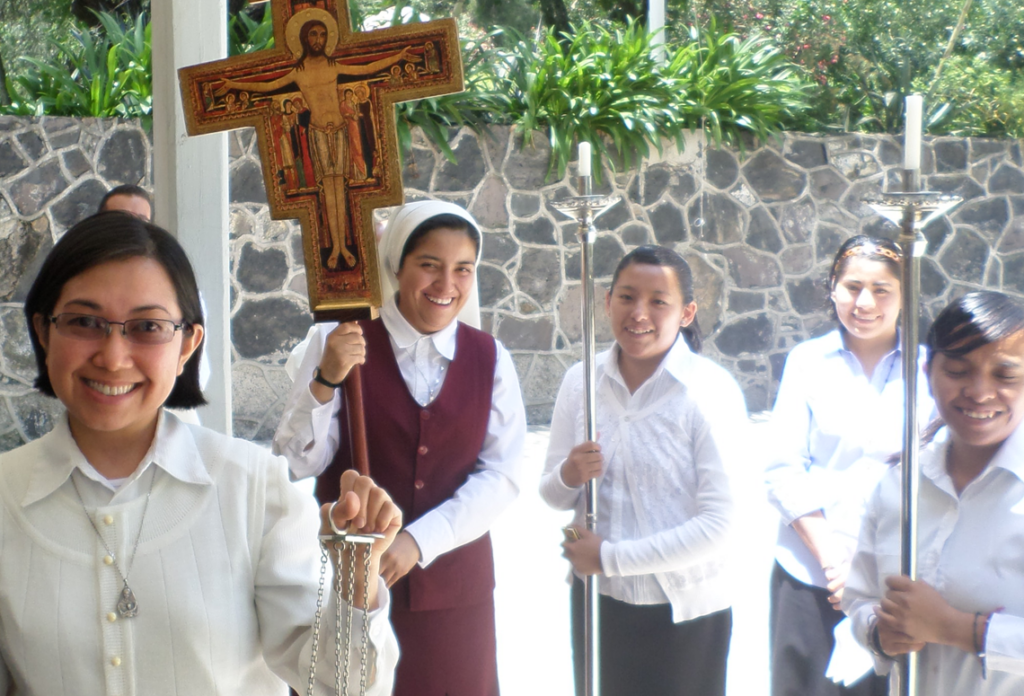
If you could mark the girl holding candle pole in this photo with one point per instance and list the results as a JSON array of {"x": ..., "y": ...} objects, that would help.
[
  {"x": 965, "y": 613},
  {"x": 665, "y": 416},
  {"x": 837, "y": 418}
]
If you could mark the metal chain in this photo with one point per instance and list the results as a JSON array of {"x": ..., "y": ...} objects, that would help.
[
  {"x": 138, "y": 536},
  {"x": 365, "y": 647},
  {"x": 341, "y": 687},
  {"x": 316, "y": 620},
  {"x": 349, "y": 548},
  {"x": 343, "y": 644}
]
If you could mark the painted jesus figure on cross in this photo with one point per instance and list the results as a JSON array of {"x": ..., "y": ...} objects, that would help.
[{"x": 313, "y": 35}]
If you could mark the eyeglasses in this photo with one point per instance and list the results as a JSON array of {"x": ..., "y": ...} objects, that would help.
[{"x": 86, "y": 327}]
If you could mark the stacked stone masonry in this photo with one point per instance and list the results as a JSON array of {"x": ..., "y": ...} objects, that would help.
[{"x": 758, "y": 230}]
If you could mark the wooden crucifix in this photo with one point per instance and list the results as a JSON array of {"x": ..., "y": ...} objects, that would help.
[{"x": 322, "y": 104}]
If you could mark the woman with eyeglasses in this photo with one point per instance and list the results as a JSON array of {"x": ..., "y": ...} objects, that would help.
[{"x": 141, "y": 555}]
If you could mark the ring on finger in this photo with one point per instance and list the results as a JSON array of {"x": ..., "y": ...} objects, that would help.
[{"x": 330, "y": 518}]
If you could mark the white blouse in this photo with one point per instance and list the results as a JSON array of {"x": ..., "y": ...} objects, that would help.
[
  {"x": 225, "y": 574},
  {"x": 308, "y": 435},
  {"x": 664, "y": 502},
  {"x": 832, "y": 430},
  {"x": 971, "y": 549}
]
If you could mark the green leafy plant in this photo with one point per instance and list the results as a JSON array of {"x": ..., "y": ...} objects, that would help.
[
  {"x": 604, "y": 86},
  {"x": 597, "y": 85},
  {"x": 247, "y": 35},
  {"x": 973, "y": 98},
  {"x": 866, "y": 55},
  {"x": 475, "y": 107},
  {"x": 738, "y": 85},
  {"x": 96, "y": 73}
]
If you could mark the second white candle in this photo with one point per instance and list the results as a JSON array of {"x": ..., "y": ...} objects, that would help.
[{"x": 584, "y": 156}]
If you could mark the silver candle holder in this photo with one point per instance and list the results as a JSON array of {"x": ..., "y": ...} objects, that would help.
[
  {"x": 585, "y": 209},
  {"x": 911, "y": 210}
]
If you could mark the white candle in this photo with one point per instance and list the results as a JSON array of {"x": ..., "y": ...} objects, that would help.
[
  {"x": 584, "y": 157},
  {"x": 912, "y": 137}
]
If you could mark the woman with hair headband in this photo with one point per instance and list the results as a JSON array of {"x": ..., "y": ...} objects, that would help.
[
  {"x": 445, "y": 425},
  {"x": 965, "y": 613},
  {"x": 665, "y": 417},
  {"x": 837, "y": 417},
  {"x": 142, "y": 555}
]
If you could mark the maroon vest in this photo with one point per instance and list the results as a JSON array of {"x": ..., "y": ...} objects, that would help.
[{"x": 421, "y": 456}]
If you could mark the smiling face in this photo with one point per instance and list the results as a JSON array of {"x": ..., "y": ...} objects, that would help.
[
  {"x": 112, "y": 387},
  {"x": 646, "y": 309},
  {"x": 867, "y": 300},
  {"x": 436, "y": 278},
  {"x": 980, "y": 396}
]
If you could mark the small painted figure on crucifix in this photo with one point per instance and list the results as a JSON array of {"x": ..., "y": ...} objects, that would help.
[{"x": 312, "y": 36}]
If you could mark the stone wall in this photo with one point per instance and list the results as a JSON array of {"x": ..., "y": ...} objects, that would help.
[{"x": 758, "y": 230}]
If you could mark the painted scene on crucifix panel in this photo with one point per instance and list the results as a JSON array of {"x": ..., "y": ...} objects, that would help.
[{"x": 322, "y": 109}]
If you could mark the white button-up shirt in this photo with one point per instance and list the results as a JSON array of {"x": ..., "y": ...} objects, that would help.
[
  {"x": 832, "y": 430},
  {"x": 664, "y": 502},
  {"x": 971, "y": 549},
  {"x": 225, "y": 574},
  {"x": 309, "y": 435}
]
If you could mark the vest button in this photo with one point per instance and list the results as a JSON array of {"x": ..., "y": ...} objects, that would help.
[
  {"x": 425, "y": 414},
  {"x": 423, "y": 449},
  {"x": 419, "y": 485}
]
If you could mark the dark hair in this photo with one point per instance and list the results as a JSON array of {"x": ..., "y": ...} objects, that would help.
[
  {"x": 861, "y": 246},
  {"x": 652, "y": 255},
  {"x": 973, "y": 321},
  {"x": 445, "y": 220},
  {"x": 117, "y": 236},
  {"x": 125, "y": 190}
]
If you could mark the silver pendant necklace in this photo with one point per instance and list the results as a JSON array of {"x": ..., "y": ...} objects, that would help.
[
  {"x": 432, "y": 389},
  {"x": 127, "y": 606}
]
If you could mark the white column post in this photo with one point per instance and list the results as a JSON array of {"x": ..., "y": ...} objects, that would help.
[
  {"x": 656, "y": 28},
  {"x": 190, "y": 177}
]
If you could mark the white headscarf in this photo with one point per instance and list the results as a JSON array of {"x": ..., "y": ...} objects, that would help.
[{"x": 401, "y": 225}]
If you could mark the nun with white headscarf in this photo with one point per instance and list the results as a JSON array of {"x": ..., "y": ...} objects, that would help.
[{"x": 445, "y": 426}]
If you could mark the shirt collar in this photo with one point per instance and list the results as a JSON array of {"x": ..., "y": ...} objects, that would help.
[
  {"x": 678, "y": 363},
  {"x": 833, "y": 343},
  {"x": 405, "y": 336},
  {"x": 174, "y": 450},
  {"x": 1010, "y": 457}
]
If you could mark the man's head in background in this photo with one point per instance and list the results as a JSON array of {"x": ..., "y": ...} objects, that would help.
[{"x": 129, "y": 198}]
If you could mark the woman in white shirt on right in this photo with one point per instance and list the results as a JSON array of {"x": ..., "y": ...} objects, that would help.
[
  {"x": 837, "y": 418},
  {"x": 664, "y": 418},
  {"x": 965, "y": 613}
]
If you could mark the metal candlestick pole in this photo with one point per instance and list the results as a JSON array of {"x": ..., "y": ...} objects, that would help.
[
  {"x": 911, "y": 210},
  {"x": 585, "y": 210}
]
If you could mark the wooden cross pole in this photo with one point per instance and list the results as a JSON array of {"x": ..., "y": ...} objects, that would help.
[{"x": 322, "y": 104}]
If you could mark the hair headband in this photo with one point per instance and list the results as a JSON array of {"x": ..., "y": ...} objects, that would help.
[{"x": 871, "y": 250}]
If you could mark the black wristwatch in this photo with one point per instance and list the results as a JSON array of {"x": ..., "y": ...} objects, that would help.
[{"x": 319, "y": 378}]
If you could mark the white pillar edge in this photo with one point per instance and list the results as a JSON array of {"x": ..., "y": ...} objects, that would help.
[
  {"x": 656, "y": 28},
  {"x": 190, "y": 179}
]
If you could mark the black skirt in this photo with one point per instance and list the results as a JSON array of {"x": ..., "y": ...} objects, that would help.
[{"x": 643, "y": 652}]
